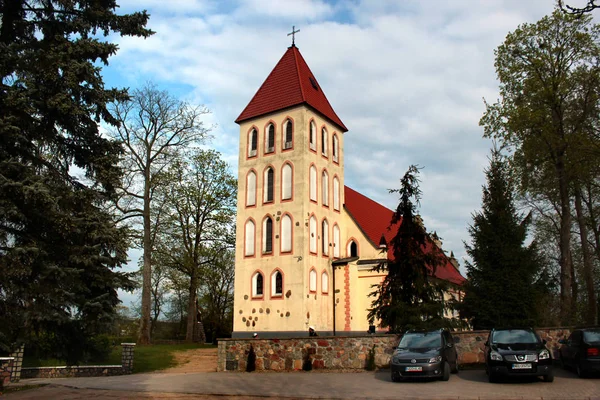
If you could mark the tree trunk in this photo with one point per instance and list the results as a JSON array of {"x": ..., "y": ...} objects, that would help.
[
  {"x": 588, "y": 269},
  {"x": 191, "y": 317},
  {"x": 566, "y": 265},
  {"x": 147, "y": 268}
]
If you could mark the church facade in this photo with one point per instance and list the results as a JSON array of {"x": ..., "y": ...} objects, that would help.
[{"x": 305, "y": 243}]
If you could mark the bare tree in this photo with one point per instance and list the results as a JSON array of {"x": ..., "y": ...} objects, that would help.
[
  {"x": 153, "y": 127},
  {"x": 589, "y": 7}
]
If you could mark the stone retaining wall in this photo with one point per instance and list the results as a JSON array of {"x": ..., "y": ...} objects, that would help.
[
  {"x": 336, "y": 352},
  {"x": 71, "y": 372},
  {"x": 6, "y": 367}
]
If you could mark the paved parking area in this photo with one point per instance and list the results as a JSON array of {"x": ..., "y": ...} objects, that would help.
[{"x": 314, "y": 385}]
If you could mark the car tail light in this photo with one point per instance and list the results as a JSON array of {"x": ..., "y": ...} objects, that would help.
[{"x": 593, "y": 352}]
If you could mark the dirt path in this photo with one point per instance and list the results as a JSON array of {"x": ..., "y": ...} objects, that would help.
[{"x": 196, "y": 360}]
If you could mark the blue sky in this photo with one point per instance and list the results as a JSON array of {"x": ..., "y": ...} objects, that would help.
[{"x": 408, "y": 79}]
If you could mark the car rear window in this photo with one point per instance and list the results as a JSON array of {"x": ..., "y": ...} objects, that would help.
[
  {"x": 421, "y": 340},
  {"x": 514, "y": 336},
  {"x": 591, "y": 336}
]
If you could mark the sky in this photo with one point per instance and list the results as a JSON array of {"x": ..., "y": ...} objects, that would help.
[{"x": 408, "y": 79}]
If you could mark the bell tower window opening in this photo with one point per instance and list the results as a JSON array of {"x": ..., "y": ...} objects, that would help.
[
  {"x": 286, "y": 234},
  {"x": 324, "y": 140},
  {"x": 312, "y": 281},
  {"x": 249, "y": 238},
  {"x": 313, "y": 234},
  {"x": 268, "y": 236},
  {"x": 336, "y": 193},
  {"x": 286, "y": 182},
  {"x": 313, "y": 183},
  {"x": 325, "y": 237},
  {"x": 276, "y": 284},
  {"x": 288, "y": 131},
  {"x": 258, "y": 284},
  {"x": 352, "y": 250},
  {"x": 325, "y": 188},
  {"x": 269, "y": 181},
  {"x": 251, "y": 189},
  {"x": 252, "y": 142},
  {"x": 313, "y": 136},
  {"x": 270, "y": 139},
  {"x": 335, "y": 149},
  {"x": 336, "y": 241}
]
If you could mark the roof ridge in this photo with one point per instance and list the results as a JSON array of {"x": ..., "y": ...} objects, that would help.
[{"x": 296, "y": 52}]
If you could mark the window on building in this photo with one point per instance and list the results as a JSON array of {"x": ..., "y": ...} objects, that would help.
[
  {"x": 324, "y": 282},
  {"x": 313, "y": 183},
  {"x": 325, "y": 188},
  {"x": 352, "y": 249},
  {"x": 252, "y": 142},
  {"x": 336, "y": 193},
  {"x": 270, "y": 139},
  {"x": 335, "y": 149},
  {"x": 287, "y": 182},
  {"x": 286, "y": 234},
  {"x": 269, "y": 180},
  {"x": 336, "y": 241},
  {"x": 312, "y": 280},
  {"x": 288, "y": 134},
  {"x": 249, "y": 238},
  {"x": 325, "y": 237},
  {"x": 313, "y": 234},
  {"x": 313, "y": 136},
  {"x": 251, "y": 189},
  {"x": 258, "y": 281},
  {"x": 277, "y": 283},
  {"x": 324, "y": 140},
  {"x": 267, "y": 236}
]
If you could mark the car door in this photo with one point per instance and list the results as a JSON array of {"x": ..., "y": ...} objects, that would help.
[{"x": 567, "y": 351}]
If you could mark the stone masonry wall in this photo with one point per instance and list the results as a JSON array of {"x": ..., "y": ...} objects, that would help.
[
  {"x": 71, "y": 372},
  {"x": 6, "y": 367},
  {"x": 338, "y": 352}
]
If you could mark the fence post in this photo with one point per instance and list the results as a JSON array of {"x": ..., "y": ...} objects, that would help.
[
  {"x": 15, "y": 375},
  {"x": 6, "y": 367},
  {"x": 127, "y": 357}
]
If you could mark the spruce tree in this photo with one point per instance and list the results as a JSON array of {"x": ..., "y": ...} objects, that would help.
[
  {"x": 502, "y": 286},
  {"x": 409, "y": 297},
  {"x": 59, "y": 247}
]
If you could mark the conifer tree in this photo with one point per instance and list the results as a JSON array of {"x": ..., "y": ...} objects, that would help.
[
  {"x": 408, "y": 297},
  {"x": 502, "y": 286}
]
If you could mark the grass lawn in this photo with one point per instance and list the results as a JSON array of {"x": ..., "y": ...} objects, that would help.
[{"x": 146, "y": 358}]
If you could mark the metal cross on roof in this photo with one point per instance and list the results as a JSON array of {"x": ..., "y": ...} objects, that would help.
[{"x": 293, "y": 33}]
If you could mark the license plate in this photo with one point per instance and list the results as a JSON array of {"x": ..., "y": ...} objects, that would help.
[
  {"x": 522, "y": 366},
  {"x": 414, "y": 369}
]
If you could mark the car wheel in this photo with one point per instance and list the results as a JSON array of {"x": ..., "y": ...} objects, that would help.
[
  {"x": 580, "y": 371},
  {"x": 549, "y": 377},
  {"x": 455, "y": 368},
  {"x": 446, "y": 372},
  {"x": 395, "y": 377}
]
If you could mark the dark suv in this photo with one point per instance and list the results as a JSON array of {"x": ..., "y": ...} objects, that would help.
[
  {"x": 517, "y": 352},
  {"x": 425, "y": 354}
]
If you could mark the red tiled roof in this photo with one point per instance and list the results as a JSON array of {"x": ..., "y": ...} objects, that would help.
[
  {"x": 289, "y": 84},
  {"x": 374, "y": 220}
]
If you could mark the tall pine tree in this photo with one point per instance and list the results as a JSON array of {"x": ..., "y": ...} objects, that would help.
[
  {"x": 59, "y": 247},
  {"x": 409, "y": 297},
  {"x": 502, "y": 286}
]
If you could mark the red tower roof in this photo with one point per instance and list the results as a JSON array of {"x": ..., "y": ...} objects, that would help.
[
  {"x": 374, "y": 220},
  {"x": 289, "y": 84}
]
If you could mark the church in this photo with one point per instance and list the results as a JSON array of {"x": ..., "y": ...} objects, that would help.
[{"x": 306, "y": 244}]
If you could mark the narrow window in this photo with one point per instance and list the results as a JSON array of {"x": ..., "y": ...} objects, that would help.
[
  {"x": 267, "y": 236},
  {"x": 325, "y": 237},
  {"x": 352, "y": 249},
  {"x": 336, "y": 241},
  {"x": 251, "y": 189},
  {"x": 289, "y": 134},
  {"x": 286, "y": 234},
  {"x": 270, "y": 139},
  {"x": 313, "y": 183},
  {"x": 276, "y": 284},
  {"x": 335, "y": 148},
  {"x": 324, "y": 282},
  {"x": 324, "y": 142},
  {"x": 257, "y": 285},
  {"x": 287, "y": 182},
  {"x": 325, "y": 188},
  {"x": 313, "y": 234},
  {"x": 313, "y": 136},
  {"x": 252, "y": 143},
  {"x": 269, "y": 185},
  {"x": 312, "y": 279},
  {"x": 336, "y": 193},
  {"x": 249, "y": 238}
]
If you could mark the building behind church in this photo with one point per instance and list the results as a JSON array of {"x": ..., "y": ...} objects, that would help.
[{"x": 306, "y": 243}]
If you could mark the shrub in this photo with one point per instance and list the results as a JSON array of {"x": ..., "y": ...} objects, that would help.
[
  {"x": 251, "y": 364},
  {"x": 370, "y": 365}
]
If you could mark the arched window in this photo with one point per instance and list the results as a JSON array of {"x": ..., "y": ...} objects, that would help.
[
  {"x": 312, "y": 280},
  {"x": 249, "y": 238},
  {"x": 336, "y": 241},
  {"x": 288, "y": 134},
  {"x": 251, "y": 189},
  {"x": 325, "y": 188},
  {"x": 324, "y": 140},
  {"x": 270, "y": 138},
  {"x": 313, "y": 183},
  {"x": 267, "y": 236},
  {"x": 286, "y": 234},
  {"x": 335, "y": 149},
  {"x": 276, "y": 283},
  {"x": 313, "y": 136},
  {"x": 313, "y": 234},
  {"x": 252, "y": 142},
  {"x": 258, "y": 284},
  {"x": 268, "y": 186},
  {"x": 324, "y": 282},
  {"x": 287, "y": 182},
  {"x": 352, "y": 249},
  {"x": 325, "y": 237},
  {"x": 336, "y": 193}
]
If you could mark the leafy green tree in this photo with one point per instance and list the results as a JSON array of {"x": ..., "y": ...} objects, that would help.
[
  {"x": 501, "y": 289},
  {"x": 59, "y": 247},
  {"x": 408, "y": 297}
]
